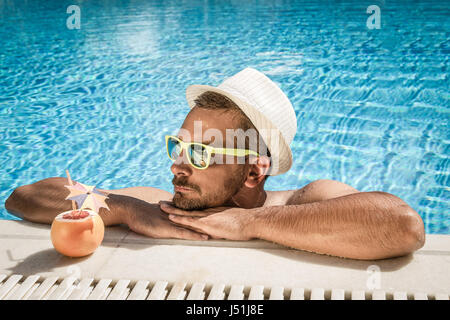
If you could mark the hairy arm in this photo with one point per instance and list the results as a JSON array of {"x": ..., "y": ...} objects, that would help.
[
  {"x": 329, "y": 217},
  {"x": 43, "y": 200},
  {"x": 136, "y": 207},
  {"x": 326, "y": 216}
]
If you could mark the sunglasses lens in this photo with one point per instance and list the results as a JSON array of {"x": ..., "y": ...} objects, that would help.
[
  {"x": 199, "y": 155},
  {"x": 174, "y": 148}
]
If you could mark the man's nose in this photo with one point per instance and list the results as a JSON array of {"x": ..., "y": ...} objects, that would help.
[{"x": 181, "y": 166}]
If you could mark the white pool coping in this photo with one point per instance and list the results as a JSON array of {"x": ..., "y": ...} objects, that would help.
[{"x": 26, "y": 249}]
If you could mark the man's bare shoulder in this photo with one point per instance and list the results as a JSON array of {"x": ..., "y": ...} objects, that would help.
[
  {"x": 148, "y": 194},
  {"x": 278, "y": 198},
  {"x": 318, "y": 190}
]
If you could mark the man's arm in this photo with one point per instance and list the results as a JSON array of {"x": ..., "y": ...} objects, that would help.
[
  {"x": 326, "y": 216},
  {"x": 42, "y": 201},
  {"x": 343, "y": 222}
]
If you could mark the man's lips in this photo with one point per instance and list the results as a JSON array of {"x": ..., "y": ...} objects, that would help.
[{"x": 182, "y": 189}]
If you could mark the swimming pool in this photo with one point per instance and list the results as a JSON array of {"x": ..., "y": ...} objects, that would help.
[{"x": 372, "y": 104}]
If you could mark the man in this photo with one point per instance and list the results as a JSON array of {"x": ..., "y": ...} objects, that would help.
[{"x": 234, "y": 137}]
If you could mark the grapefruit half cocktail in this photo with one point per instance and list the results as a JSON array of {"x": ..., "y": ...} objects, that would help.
[{"x": 77, "y": 233}]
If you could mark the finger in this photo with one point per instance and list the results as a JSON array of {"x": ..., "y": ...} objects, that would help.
[
  {"x": 189, "y": 228},
  {"x": 167, "y": 208},
  {"x": 189, "y": 221},
  {"x": 183, "y": 233},
  {"x": 194, "y": 224}
]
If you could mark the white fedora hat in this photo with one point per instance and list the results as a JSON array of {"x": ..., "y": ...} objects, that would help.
[{"x": 267, "y": 107}]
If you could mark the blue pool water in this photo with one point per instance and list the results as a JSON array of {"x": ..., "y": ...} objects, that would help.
[{"x": 372, "y": 104}]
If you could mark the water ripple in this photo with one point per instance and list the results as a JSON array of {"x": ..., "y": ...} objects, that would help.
[{"x": 372, "y": 105}]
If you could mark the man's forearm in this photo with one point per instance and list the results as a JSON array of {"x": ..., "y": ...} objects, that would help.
[
  {"x": 366, "y": 225},
  {"x": 42, "y": 201}
]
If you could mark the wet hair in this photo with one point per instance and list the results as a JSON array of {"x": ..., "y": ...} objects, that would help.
[{"x": 215, "y": 101}]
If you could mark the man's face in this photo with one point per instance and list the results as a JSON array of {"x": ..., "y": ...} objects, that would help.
[{"x": 215, "y": 185}]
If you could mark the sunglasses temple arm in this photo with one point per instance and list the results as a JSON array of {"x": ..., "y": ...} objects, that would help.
[{"x": 235, "y": 152}]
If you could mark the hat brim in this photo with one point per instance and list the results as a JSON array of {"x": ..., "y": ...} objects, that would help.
[{"x": 259, "y": 120}]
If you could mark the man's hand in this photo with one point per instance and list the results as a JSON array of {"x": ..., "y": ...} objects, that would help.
[
  {"x": 220, "y": 223},
  {"x": 148, "y": 219}
]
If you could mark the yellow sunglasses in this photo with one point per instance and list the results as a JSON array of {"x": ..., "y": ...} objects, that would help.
[{"x": 199, "y": 154}]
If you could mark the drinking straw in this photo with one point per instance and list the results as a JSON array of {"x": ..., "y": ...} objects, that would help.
[{"x": 74, "y": 206}]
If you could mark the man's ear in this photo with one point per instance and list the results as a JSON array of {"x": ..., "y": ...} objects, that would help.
[{"x": 258, "y": 169}]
